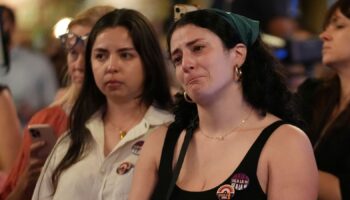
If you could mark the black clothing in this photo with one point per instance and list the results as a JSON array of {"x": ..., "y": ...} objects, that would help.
[
  {"x": 332, "y": 146},
  {"x": 244, "y": 179}
]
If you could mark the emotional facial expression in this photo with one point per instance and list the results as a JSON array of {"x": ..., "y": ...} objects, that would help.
[
  {"x": 203, "y": 66},
  {"x": 116, "y": 65}
]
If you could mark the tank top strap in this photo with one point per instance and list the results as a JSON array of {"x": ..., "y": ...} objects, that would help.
[
  {"x": 250, "y": 162},
  {"x": 166, "y": 160}
]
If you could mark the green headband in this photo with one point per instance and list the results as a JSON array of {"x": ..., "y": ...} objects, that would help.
[{"x": 247, "y": 29}]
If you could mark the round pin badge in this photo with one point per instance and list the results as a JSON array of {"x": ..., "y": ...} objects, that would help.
[
  {"x": 225, "y": 192},
  {"x": 240, "y": 181},
  {"x": 124, "y": 168},
  {"x": 135, "y": 149}
]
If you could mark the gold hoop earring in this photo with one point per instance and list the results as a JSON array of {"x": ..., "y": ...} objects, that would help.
[
  {"x": 238, "y": 72},
  {"x": 187, "y": 98}
]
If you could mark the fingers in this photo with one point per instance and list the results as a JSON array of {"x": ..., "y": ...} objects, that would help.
[
  {"x": 36, "y": 146},
  {"x": 37, "y": 150},
  {"x": 34, "y": 169}
]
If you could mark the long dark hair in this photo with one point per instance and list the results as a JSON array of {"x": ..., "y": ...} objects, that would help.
[
  {"x": 155, "y": 86},
  {"x": 263, "y": 81},
  {"x": 327, "y": 92},
  {"x": 342, "y": 5}
]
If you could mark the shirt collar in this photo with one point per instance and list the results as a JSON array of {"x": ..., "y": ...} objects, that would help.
[{"x": 153, "y": 117}]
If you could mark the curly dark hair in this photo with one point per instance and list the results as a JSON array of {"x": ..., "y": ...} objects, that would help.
[{"x": 263, "y": 77}]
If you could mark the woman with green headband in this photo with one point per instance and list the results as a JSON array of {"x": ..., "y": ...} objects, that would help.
[{"x": 234, "y": 135}]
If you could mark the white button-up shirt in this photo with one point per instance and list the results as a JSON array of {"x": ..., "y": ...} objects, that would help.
[{"x": 96, "y": 176}]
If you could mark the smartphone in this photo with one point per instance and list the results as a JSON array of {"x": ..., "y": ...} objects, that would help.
[
  {"x": 43, "y": 132},
  {"x": 181, "y": 9}
]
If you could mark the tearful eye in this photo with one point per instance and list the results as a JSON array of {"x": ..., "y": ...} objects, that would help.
[
  {"x": 197, "y": 48},
  {"x": 176, "y": 61}
]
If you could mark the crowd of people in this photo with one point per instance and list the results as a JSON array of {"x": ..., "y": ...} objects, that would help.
[{"x": 233, "y": 130}]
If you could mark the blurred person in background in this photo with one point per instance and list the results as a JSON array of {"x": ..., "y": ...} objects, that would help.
[
  {"x": 23, "y": 176},
  {"x": 325, "y": 105},
  {"x": 302, "y": 49},
  {"x": 277, "y": 17},
  {"x": 124, "y": 96},
  {"x": 32, "y": 79},
  {"x": 10, "y": 133},
  {"x": 9, "y": 124},
  {"x": 10, "y": 138}
]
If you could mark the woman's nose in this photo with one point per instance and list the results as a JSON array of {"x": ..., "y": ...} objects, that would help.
[
  {"x": 325, "y": 35},
  {"x": 112, "y": 65},
  {"x": 187, "y": 62},
  {"x": 80, "y": 62}
]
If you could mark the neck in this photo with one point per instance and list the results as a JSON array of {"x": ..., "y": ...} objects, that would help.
[
  {"x": 123, "y": 114},
  {"x": 344, "y": 89},
  {"x": 224, "y": 114}
]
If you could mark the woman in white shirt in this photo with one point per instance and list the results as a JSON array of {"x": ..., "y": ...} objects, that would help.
[{"x": 125, "y": 95}]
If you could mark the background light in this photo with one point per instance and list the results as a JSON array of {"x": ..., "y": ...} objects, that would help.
[{"x": 61, "y": 26}]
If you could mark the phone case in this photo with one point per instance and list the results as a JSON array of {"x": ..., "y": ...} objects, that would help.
[
  {"x": 181, "y": 9},
  {"x": 43, "y": 132}
]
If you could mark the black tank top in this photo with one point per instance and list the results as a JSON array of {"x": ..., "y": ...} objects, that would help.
[{"x": 242, "y": 184}]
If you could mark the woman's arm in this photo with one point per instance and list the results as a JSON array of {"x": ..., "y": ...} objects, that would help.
[
  {"x": 292, "y": 170},
  {"x": 329, "y": 188},
  {"x": 146, "y": 169},
  {"x": 9, "y": 131}
]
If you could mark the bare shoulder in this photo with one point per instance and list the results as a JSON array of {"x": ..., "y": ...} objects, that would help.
[
  {"x": 157, "y": 135},
  {"x": 289, "y": 135},
  {"x": 285, "y": 135},
  {"x": 154, "y": 144},
  {"x": 287, "y": 156},
  {"x": 288, "y": 143}
]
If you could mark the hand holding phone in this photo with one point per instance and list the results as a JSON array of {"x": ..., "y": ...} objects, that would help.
[{"x": 43, "y": 132}]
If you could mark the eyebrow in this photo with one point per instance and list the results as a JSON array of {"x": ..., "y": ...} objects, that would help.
[
  {"x": 126, "y": 49},
  {"x": 334, "y": 18},
  {"x": 102, "y": 49},
  {"x": 188, "y": 44}
]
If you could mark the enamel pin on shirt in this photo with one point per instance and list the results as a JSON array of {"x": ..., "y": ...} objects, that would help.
[
  {"x": 135, "y": 149},
  {"x": 240, "y": 181},
  {"x": 225, "y": 192},
  {"x": 124, "y": 168}
]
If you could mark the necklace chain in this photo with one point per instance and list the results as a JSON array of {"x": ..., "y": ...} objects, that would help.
[
  {"x": 222, "y": 137},
  {"x": 122, "y": 133}
]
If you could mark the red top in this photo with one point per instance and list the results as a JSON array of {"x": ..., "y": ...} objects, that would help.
[{"x": 57, "y": 118}]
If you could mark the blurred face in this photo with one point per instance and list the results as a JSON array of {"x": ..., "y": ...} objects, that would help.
[
  {"x": 203, "y": 66},
  {"x": 336, "y": 40},
  {"x": 116, "y": 65},
  {"x": 76, "y": 53}
]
